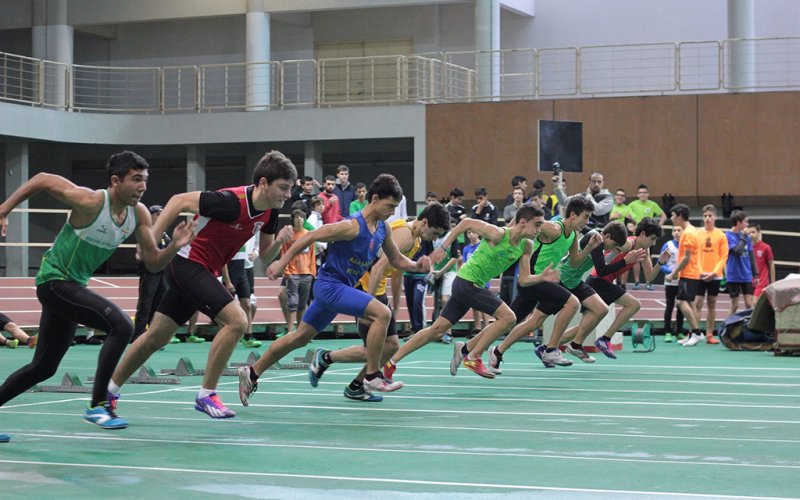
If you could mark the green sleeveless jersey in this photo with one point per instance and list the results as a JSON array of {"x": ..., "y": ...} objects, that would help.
[
  {"x": 77, "y": 253},
  {"x": 552, "y": 253},
  {"x": 490, "y": 260},
  {"x": 571, "y": 276}
]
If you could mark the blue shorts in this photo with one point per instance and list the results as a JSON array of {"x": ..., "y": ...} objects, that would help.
[{"x": 332, "y": 298}]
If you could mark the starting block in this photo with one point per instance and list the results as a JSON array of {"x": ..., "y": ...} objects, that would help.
[
  {"x": 642, "y": 336},
  {"x": 183, "y": 369},
  {"x": 251, "y": 358},
  {"x": 70, "y": 383},
  {"x": 299, "y": 363},
  {"x": 147, "y": 375}
]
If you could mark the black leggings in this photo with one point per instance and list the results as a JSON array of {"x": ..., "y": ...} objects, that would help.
[
  {"x": 64, "y": 305},
  {"x": 671, "y": 293}
]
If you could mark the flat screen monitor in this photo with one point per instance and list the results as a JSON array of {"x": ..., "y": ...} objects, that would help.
[{"x": 560, "y": 142}]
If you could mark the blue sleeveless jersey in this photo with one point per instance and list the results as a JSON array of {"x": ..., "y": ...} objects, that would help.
[{"x": 347, "y": 261}]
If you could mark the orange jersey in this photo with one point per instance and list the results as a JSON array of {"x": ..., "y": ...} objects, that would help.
[
  {"x": 303, "y": 263},
  {"x": 713, "y": 251},
  {"x": 689, "y": 242}
]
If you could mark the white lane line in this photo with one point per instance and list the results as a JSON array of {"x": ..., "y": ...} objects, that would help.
[
  {"x": 383, "y": 450},
  {"x": 248, "y": 421},
  {"x": 106, "y": 283},
  {"x": 626, "y": 366}
]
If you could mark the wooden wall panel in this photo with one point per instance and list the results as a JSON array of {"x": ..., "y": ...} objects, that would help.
[
  {"x": 694, "y": 146},
  {"x": 482, "y": 144},
  {"x": 749, "y": 144}
]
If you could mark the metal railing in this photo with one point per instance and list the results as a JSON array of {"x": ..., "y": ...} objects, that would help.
[{"x": 644, "y": 69}]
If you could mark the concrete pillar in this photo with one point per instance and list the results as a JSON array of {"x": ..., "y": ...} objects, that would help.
[
  {"x": 195, "y": 168},
  {"x": 742, "y": 58},
  {"x": 487, "y": 38},
  {"x": 257, "y": 51},
  {"x": 53, "y": 41},
  {"x": 17, "y": 172},
  {"x": 312, "y": 163},
  {"x": 420, "y": 173}
]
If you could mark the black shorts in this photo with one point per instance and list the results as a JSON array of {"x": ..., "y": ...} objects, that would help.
[
  {"x": 708, "y": 287},
  {"x": 4, "y": 320},
  {"x": 582, "y": 291},
  {"x": 609, "y": 292},
  {"x": 736, "y": 288},
  {"x": 239, "y": 278},
  {"x": 391, "y": 330},
  {"x": 546, "y": 297},
  {"x": 192, "y": 288},
  {"x": 466, "y": 296},
  {"x": 687, "y": 289}
]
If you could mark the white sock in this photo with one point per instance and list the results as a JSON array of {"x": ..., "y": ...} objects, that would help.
[
  {"x": 112, "y": 387},
  {"x": 203, "y": 392}
]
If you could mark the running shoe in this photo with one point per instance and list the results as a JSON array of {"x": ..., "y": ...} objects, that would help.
[
  {"x": 32, "y": 341},
  {"x": 447, "y": 339},
  {"x": 681, "y": 336},
  {"x": 650, "y": 287},
  {"x": 194, "y": 339},
  {"x": 668, "y": 338},
  {"x": 555, "y": 358},
  {"x": 317, "y": 366},
  {"x": 458, "y": 357},
  {"x": 4, "y": 438},
  {"x": 103, "y": 416},
  {"x": 539, "y": 351},
  {"x": 388, "y": 370},
  {"x": 362, "y": 395},
  {"x": 213, "y": 407},
  {"x": 382, "y": 384},
  {"x": 246, "y": 385},
  {"x": 604, "y": 345},
  {"x": 174, "y": 340},
  {"x": 251, "y": 343},
  {"x": 710, "y": 339},
  {"x": 477, "y": 366},
  {"x": 693, "y": 340},
  {"x": 579, "y": 353},
  {"x": 636, "y": 286},
  {"x": 12, "y": 343},
  {"x": 495, "y": 358}
]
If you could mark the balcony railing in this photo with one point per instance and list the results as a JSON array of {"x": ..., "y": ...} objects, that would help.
[{"x": 764, "y": 64}]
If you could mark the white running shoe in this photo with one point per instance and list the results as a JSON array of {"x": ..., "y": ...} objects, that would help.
[
  {"x": 458, "y": 357},
  {"x": 693, "y": 339},
  {"x": 579, "y": 353},
  {"x": 381, "y": 384},
  {"x": 555, "y": 358},
  {"x": 495, "y": 358}
]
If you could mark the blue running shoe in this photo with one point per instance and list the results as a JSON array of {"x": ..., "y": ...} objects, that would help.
[
  {"x": 447, "y": 339},
  {"x": 361, "y": 394},
  {"x": 604, "y": 345},
  {"x": 317, "y": 366},
  {"x": 213, "y": 407},
  {"x": 104, "y": 416},
  {"x": 4, "y": 438}
]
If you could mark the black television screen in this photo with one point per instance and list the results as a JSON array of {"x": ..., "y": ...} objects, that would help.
[{"x": 562, "y": 143}]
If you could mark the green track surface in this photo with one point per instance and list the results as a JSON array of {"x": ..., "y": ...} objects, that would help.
[{"x": 677, "y": 422}]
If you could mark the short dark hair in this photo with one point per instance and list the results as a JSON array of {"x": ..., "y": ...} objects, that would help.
[
  {"x": 121, "y": 163},
  {"x": 385, "y": 186},
  {"x": 456, "y": 193},
  {"x": 578, "y": 204},
  {"x": 617, "y": 231},
  {"x": 298, "y": 213},
  {"x": 620, "y": 189},
  {"x": 314, "y": 201},
  {"x": 342, "y": 168},
  {"x": 307, "y": 178},
  {"x": 737, "y": 216},
  {"x": 649, "y": 227},
  {"x": 301, "y": 205},
  {"x": 681, "y": 210},
  {"x": 517, "y": 180},
  {"x": 360, "y": 185},
  {"x": 710, "y": 208},
  {"x": 538, "y": 184},
  {"x": 329, "y": 178},
  {"x": 274, "y": 165},
  {"x": 431, "y": 194},
  {"x": 643, "y": 186},
  {"x": 528, "y": 212},
  {"x": 756, "y": 226},
  {"x": 480, "y": 191},
  {"x": 436, "y": 215}
]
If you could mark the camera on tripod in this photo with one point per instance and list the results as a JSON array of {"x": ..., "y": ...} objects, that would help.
[{"x": 557, "y": 168}]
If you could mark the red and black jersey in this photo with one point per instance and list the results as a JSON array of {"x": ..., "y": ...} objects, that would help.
[
  {"x": 227, "y": 219},
  {"x": 614, "y": 257}
]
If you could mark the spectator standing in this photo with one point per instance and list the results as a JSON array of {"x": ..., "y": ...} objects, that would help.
[
  {"x": 331, "y": 211},
  {"x": 483, "y": 209},
  {"x": 620, "y": 211},
  {"x": 361, "y": 199},
  {"x": 511, "y": 210},
  {"x": 713, "y": 257},
  {"x": 344, "y": 190},
  {"x": 598, "y": 195},
  {"x": 740, "y": 268},
  {"x": 765, "y": 261},
  {"x": 671, "y": 289},
  {"x": 517, "y": 181}
]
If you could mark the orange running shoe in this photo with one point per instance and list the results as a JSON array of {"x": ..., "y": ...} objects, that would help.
[
  {"x": 388, "y": 370},
  {"x": 477, "y": 366}
]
